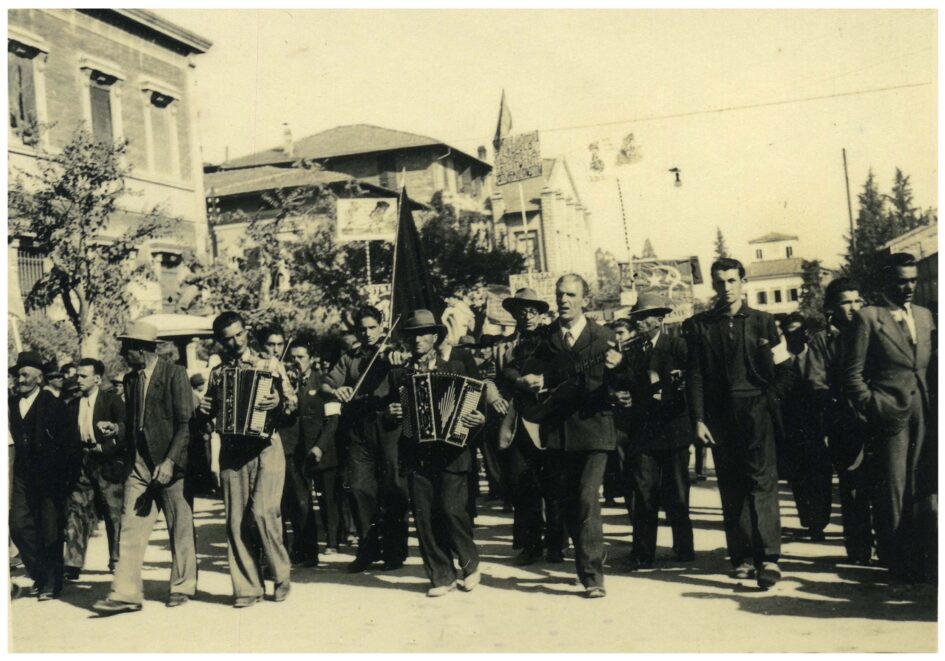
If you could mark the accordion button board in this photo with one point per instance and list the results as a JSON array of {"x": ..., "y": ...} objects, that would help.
[{"x": 434, "y": 404}]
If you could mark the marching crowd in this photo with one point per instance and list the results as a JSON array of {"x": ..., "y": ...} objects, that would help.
[{"x": 568, "y": 407}]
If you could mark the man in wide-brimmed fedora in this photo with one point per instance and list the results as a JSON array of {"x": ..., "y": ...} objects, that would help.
[
  {"x": 158, "y": 408},
  {"x": 525, "y": 470},
  {"x": 657, "y": 455},
  {"x": 44, "y": 468},
  {"x": 437, "y": 471}
]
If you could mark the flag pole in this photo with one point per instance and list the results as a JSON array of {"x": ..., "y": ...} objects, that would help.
[
  {"x": 367, "y": 259},
  {"x": 393, "y": 268},
  {"x": 623, "y": 215},
  {"x": 521, "y": 201}
]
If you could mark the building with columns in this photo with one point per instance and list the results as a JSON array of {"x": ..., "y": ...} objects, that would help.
[
  {"x": 544, "y": 219},
  {"x": 122, "y": 73}
]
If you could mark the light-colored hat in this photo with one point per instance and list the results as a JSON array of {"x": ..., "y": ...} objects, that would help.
[
  {"x": 139, "y": 331},
  {"x": 525, "y": 296}
]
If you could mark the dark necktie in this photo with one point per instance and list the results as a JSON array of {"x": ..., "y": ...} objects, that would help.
[{"x": 142, "y": 394}]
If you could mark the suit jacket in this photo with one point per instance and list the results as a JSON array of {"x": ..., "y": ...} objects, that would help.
[
  {"x": 47, "y": 456},
  {"x": 168, "y": 407},
  {"x": 707, "y": 390},
  {"x": 664, "y": 422},
  {"x": 311, "y": 427},
  {"x": 431, "y": 457},
  {"x": 882, "y": 369},
  {"x": 117, "y": 456},
  {"x": 587, "y": 421}
]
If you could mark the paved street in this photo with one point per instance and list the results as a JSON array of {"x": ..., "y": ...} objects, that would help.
[{"x": 681, "y": 608}]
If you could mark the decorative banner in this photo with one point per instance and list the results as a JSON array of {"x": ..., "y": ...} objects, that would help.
[
  {"x": 366, "y": 219},
  {"x": 671, "y": 279},
  {"x": 378, "y": 295},
  {"x": 518, "y": 157},
  {"x": 542, "y": 282},
  {"x": 495, "y": 313},
  {"x": 605, "y": 157}
]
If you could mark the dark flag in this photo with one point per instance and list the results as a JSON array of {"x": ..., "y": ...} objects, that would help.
[
  {"x": 504, "y": 125},
  {"x": 412, "y": 287}
]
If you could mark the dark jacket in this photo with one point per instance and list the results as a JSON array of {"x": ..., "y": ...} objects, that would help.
[
  {"x": 664, "y": 421},
  {"x": 47, "y": 456},
  {"x": 434, "y": 456},
  {"x": 311, "y": 427},
  {"x": 167, "y": 411},
  {"x": 117, "y": 456},
  {"x": 707, "y": 390},
  {"x": 586, "y": 421},
  {"x": 883, "y": 370}
]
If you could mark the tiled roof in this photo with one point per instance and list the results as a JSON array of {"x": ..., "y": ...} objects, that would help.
[
  {"x": 342, "y": 141},
  {"x": 236, "y": 182},
  {"x": 775, "y": 268},
  {"x": 531, "y": 190},
  {"x": 770, "y": 237}
]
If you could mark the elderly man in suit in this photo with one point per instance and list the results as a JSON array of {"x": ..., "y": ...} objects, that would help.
[
  {"x": 738, "y": 371},
  {"x": 886, "y": 369},
  {"x": 98, "y": 419},
  {"x": 657, "y": 457},
  {"x": 44, "y": 469},
  {"x": 577, "y": 426},
  {"x": 158, "y": 409}
]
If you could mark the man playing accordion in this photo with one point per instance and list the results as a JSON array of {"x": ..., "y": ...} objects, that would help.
[
  {"x": 252, "y": 462},
  {"x": 437, "y": 470}
]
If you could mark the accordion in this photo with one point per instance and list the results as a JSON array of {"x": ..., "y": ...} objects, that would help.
[
  {"x": 434, "y": 404},
  {"x": 240, "y": 392}
]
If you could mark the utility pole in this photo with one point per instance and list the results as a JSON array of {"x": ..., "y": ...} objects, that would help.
[{"x": 846, "y": 177}]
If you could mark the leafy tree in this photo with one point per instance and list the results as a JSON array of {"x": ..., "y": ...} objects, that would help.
[
  {"x": 721, "y": 250},
  {"x": 648, "y": 252},
  {"x": 608, "y": 276},
  {"x": 902, "y": 215},
  {"x": 812, "y": 293},
  {"x": 873, "y": 229},
  {"x": 67, "y": 204}
]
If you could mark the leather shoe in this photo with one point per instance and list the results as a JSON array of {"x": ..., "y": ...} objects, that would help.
[
  {"x": 246, "y": 602},
  {"x": 470, "y": 582},
  {"x": 744, "y": 571},
  {"x": 281, "y": 591},
  {"x": 177, "y": 599},
  {"x": 595, "y": 593},
  {"x": 685, "y": 557},
  {"x": 554, "y": 557},
  {"x": 527, "y": 557},
  {"x": 635, "y": 564},
  {"x": 113, "y": 607},
  {"x": 392, "y": 565},
  {"x": 46, "y": 595},
  {"x": 768, "y": 575},
  {"x": 441, "y": 590},
  {"x": 358, "y": 565},
  {"x": 71, "y": 574}
]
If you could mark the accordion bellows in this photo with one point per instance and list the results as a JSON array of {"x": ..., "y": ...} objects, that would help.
[
  {"x": 434, "y": 404},
  {"x": 240, "y": 391}
]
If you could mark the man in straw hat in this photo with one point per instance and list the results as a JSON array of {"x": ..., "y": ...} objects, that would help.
[
  {"x": 525, "y": 468},
  {"x": 437, "y": 471},
  {"x": 44, "y": 469},
  {"x": 158, "y": 408},
  {"x": 657, "y": 455}
]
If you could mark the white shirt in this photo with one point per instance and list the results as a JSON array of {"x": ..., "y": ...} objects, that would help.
[
  {"x": 904, "y": 313},
  {"x": 26, "y": 402},
  {"x": 655, "y": 338},
  {"x": 571, "y": 335},
  {"x": 86, "y": 409}
]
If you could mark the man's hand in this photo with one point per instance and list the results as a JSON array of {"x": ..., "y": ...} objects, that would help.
[
  {"x": 268, "y": 402},
  {"x": 398, "y": 358},
  {"x": 164, "y": 472},
  {"x": 613, "y": 357},
  {"x": 474, "y": 419},
  {"x": 501, "y": 406},
  {"x": 395, "y": 410},
  {"x": 624, "y": 399},
  {"x": 317, "y": 453},
  {"x": 108, "y": 429},
  {"x": 205, "y": 404},
  {"x": 703, "y": 434},
  {"x": 534, "y": 382},
  {"x": 344, "y": 393}
]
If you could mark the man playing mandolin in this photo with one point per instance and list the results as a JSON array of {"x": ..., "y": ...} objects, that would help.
[{"x": 576, "y": 422}]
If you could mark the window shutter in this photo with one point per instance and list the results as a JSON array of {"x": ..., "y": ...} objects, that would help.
[{"x": 101, "y": 104}]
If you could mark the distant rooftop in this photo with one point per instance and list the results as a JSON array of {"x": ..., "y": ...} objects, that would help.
[
  {"x": 342, "y": 141},
  {"x": 775, "y": 268},
  {"x": 771, "y": 237}
]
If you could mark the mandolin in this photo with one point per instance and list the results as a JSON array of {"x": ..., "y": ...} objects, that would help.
[{"x": 563, "y": 379}]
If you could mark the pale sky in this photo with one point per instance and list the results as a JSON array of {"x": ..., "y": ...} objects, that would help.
[{"x": 748, "y": 171}]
